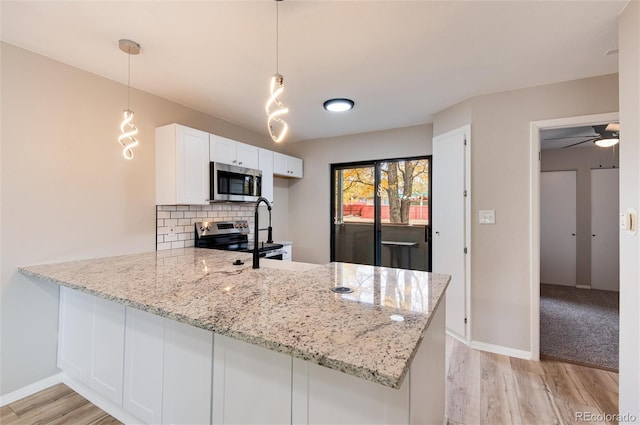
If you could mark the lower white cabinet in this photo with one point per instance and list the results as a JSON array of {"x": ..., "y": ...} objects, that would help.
[
  {"x": 250, "y": 384},
  {"x": 144, "y": 365},
  {"x": 187, "y": 374},
  {"x": 91, "y": 342}
]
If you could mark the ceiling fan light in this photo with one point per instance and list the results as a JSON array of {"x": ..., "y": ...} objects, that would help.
[
  {"x": 606, "y": 143},
  {"x": 338, "y": 105}
]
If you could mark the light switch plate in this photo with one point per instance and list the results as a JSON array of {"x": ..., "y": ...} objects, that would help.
[{"x": 487, "y": 217}]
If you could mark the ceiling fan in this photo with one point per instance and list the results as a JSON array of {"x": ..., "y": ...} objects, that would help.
[{"x": 606, "y": 135}]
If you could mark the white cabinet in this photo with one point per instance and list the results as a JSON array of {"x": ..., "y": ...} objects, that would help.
[
  {"x": 91, "y": 340},
  {"x": 287, "y": 251},
  {"x": 186, "y": 387},
  {"x": 287, "y": 166},
  {"x": 230, "y": 152},
  {"x": 107, "y": 349},
  {"x": 250, "y": 384},
  {"x": 265, "y": 164},
  {"x": 182, "y": 165},
  {"x": 144, "y": 357}
]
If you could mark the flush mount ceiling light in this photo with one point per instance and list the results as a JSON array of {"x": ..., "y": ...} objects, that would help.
[
  {"x": 338, "y": 105},
  {"x": 275, "y": 109},
  {"x": 127, "y": 129}
]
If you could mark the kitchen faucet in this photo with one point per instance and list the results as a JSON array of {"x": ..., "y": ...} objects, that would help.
[{"x": 256, "y": 251}]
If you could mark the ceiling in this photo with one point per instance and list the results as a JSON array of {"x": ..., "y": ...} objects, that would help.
[{"x": 400, "y": 61}]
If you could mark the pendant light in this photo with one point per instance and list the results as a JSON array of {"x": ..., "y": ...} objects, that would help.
[
  {"x": 275, "y": 109},
  {"x": 127, "y": 129}
]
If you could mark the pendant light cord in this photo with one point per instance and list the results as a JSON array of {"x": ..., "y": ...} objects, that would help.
[
  {"x": 129, "y": 80},
  {"x": 277, "y": 38}
]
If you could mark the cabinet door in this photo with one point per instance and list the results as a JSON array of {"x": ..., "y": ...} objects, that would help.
[
  {"x": 186, "y": 395},
  {"x": 250, "y": 384},
  {"x": 294, "y": 165},
  {"x": 107, "y": 349},
  {"x": 222, "y": 150},
  {"x": 279, "y": 164},
  {"x": 74, "y": 346},
  {"x": 286, "y": 252},
  {"x": 192, "y": 166},
  {"x": 247, "y": 156},
  {"x": 265, "y": 164},
  {"x": 144, "y": 352}
]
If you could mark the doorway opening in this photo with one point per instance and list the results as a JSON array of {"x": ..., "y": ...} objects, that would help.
[
  {"x": 381, "y": 213},
  {"x": 575, "y": 268}
]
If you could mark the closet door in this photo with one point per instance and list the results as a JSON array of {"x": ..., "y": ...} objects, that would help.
[
  {"x": 558, "y": 227},
  {"x": 605, "y": 248}
]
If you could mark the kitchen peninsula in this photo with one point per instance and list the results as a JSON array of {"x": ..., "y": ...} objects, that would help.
[{"x": 186, "y": 335}]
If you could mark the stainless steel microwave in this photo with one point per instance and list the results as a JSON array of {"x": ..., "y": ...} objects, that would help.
[{"x": 232, "y": 183}]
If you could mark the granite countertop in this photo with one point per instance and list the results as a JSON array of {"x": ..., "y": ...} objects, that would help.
[{"x": 292, "y": 312}]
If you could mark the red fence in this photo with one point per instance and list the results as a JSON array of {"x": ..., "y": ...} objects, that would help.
[{"x": 416, "y": 212}]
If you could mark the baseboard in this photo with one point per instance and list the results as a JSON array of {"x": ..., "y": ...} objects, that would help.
[
  {"x": 458, "y": 337},
  {"x": 108, "y": 406},
  {"x": 30, "y": 389},
  {"x": 502, "y": 350}
]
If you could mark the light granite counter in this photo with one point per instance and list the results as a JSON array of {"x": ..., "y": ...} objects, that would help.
[{"x": 288, "y": 311}]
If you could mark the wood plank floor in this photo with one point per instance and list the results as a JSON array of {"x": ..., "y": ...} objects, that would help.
[
  {"x": 56, "y": 405},
  {"x": 485, "y": 388},
  {"x": 482, "y": 388}
]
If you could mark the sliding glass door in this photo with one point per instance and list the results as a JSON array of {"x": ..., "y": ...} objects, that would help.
[{"x": 380, "y": 213}]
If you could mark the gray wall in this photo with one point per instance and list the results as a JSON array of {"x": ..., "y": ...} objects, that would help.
[
  {"x": 582, "y": 160},
  {"x": 629, "y": 66},
  {"x": 61, "y": 166},
  {"x": 309, "y": 198},
  {"x": 500, "y": 173}
]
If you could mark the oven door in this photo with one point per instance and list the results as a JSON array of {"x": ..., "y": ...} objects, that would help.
[
  {"x": 231, "y": 183},
  {"x": 275, "y": 254}
]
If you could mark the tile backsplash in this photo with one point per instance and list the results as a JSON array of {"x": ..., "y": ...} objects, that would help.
[{"x": 175, "y": 223}]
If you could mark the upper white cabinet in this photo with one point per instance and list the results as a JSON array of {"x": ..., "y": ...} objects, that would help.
[
  {"x": 182, "y": 165},
  {"x": 287, "y": 166},
  {"x": 230, "y": 152},
  {"x": 266, "y": 166}
]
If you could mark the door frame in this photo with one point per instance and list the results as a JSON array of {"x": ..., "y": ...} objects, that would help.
[
  {"x": 534, "y": 217},
  {"x": 466, "y": 130}
]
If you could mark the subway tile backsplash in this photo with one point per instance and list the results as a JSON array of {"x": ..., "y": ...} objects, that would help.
[{"x": 175, "y": 223}]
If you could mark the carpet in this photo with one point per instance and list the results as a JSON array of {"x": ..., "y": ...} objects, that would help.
[{"x": 579, "y": 325}]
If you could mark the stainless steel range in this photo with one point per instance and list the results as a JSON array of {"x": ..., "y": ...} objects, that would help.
[{"x": 232, "y": 236}]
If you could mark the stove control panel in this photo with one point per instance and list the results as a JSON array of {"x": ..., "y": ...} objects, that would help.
[{"x": 211, "y": 228}]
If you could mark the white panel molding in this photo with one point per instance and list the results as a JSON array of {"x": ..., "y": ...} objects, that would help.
[
  {"x": 30, "y": 389},
  {"x": 502, "y": 350},
  {"x": 534, "y": 202}
]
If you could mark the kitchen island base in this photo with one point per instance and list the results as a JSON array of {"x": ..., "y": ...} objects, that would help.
[{"x": 167, "y": 365}]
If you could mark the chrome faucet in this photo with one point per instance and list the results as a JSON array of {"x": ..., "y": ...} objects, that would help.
[{"x": 256, "y": 251}]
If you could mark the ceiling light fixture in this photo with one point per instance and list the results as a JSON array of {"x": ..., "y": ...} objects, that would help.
[
  {"x": 610, "y": 136},
  {"x": 338, "y": 105},
  {"x": 275, "y": 124},
  {"x": 126, "y": 138},
  {"x": 606, "y": 143}
]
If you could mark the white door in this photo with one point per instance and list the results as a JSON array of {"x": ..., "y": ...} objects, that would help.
[
  {"x": 605, "y": 248},
  {"x": 558, "y": 227},
  {"x": 450, "y": 223}
]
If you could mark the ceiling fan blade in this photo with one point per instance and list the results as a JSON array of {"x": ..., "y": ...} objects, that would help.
[
  {"x": 579, "y": 143},
  {"x": 571, "y": 137}
]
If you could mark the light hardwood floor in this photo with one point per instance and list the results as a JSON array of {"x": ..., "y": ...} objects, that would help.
[
  {"x": 56, "y": 405},
  {"x": 482, "y": 388},
  {"x": 485, "y": 388}
]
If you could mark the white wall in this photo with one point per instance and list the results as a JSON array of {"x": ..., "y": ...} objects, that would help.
[
  {"x": 629, "y": 67},
  {"x": 309, "y": 198},
  {"x": 67, "y": 192},
  {"x": 500, "y": 170}
]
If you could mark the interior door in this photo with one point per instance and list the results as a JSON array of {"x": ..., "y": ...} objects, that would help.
[
  {"x": 605, "y": 248},
  {"x": 558, "y": 227},
  {"x": 449, "y": 224}
]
